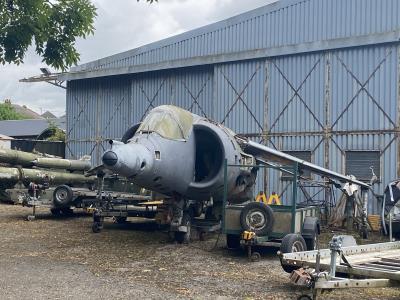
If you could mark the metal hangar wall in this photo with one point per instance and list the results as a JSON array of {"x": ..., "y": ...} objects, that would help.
[{"x": 317, "y": 77}]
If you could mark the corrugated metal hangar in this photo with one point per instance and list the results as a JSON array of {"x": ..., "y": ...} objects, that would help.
[{"x": 320, "y": 78}]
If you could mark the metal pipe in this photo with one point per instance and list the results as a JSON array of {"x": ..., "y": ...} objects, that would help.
[
  {"x": 15, "y": 157},
  {"x": 332, "y": 271},
  {"x": 58, "y": 163},
  {"x": 383, "y": 213},
  {"x": 349, "y": 213},
  {"x": 257, "y": 149},
  {"x": 14, "y": 175},
  {"x": 134, "y": 208},
  {"x": 294, "y": 197}
]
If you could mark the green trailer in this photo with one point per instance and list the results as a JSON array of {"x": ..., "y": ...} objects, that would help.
[{"x": 293, "y": 228}]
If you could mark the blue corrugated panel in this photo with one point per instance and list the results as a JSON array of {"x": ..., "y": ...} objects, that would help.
[
  {"x": 287, "y": 22},
  {"x": 361, "y": 85},
  {"x": 240, "y": 96},
  {"x": 296, "y": 101},
  {"x": 193, "y": 90},
  {"x": 363, "y": 88}
]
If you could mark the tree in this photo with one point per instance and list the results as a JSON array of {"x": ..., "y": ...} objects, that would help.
[
  {"x": 52, "y": 26},
  {"x": 57, "y": 134},
  {"x": 7, "y": 112}
]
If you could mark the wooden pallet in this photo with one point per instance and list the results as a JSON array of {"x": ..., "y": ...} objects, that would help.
[{"x": 375, "y": 222}]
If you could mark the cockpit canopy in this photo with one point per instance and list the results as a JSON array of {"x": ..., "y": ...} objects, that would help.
[{"x": 168, "y": 121}]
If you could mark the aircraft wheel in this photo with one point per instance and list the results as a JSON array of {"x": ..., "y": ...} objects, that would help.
[
  {"x": 96, "y": 227},
  {"x": 184, "y": 237},
  {"x": 255, "y": 256}
]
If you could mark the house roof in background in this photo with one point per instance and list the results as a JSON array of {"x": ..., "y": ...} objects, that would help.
[
  {"x": 48, "y": 115},
  {"x": 32, "y": 127},
  {"x": 5, "y": 137},
  {"x": 26, "y": 112}
]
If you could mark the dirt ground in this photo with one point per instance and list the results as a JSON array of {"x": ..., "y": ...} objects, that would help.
[{"x": 60, "y": 258}]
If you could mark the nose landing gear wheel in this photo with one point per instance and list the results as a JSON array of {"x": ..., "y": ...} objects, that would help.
[
  {"x": 255, "y": 256},
  {"x": 184, "y": 237},
  {"x": 96, "y": 227}
]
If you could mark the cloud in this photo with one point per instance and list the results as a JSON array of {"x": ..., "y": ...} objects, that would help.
[{"x": 120, "y": 25}]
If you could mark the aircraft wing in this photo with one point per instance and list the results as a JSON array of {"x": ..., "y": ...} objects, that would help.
[{"x": 263, "y": 153}]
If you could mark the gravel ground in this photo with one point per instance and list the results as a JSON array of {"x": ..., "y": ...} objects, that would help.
[{"x": 60, "y": 258}]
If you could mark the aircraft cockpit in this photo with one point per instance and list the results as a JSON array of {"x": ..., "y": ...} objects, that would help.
[{"x": 168, "y": 121}]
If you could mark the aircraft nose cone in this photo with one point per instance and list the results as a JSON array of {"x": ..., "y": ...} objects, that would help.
[{"x": 110, "y": 158}]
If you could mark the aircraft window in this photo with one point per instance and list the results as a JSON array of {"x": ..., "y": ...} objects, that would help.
[{"x": 169, "y": 122}]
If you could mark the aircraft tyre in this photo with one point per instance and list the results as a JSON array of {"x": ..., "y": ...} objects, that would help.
[{"x": 184, "y": 237}]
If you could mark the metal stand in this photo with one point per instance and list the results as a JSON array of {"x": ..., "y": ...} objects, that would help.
[{"x": 378, "y": 262}]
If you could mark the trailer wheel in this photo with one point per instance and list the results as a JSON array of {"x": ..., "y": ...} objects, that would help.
[
  {"x": 55, "y": 211},
  {"x": 67, "y": 211},
  {"x": 233, "y": 241},
  {"x": 62, "y": 195},
  {"x": 121, "y": 220},
  {"x": 310, "y": 232},
  {"x": 184, "y": 237},
  {"x": 257, "y": 217},
  {"x": 311, "y": 242},
  {"x": 291, "y": 243}
]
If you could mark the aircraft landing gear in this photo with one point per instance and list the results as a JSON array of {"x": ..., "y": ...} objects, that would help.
[
  {"x": 182, "y": 236},
  {"x": 97, "y": 225}
]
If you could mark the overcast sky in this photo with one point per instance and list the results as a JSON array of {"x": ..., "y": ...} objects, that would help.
[{"x": 120, "y": 25}]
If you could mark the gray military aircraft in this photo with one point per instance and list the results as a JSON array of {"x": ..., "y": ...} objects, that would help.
[{"x": 181, "y": 155}]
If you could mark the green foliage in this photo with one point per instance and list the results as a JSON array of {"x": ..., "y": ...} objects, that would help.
[
  {"x": 7, "y": 112},
  {"x": 58, "y": 135},
  {"x": 51, "y": 25}
]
